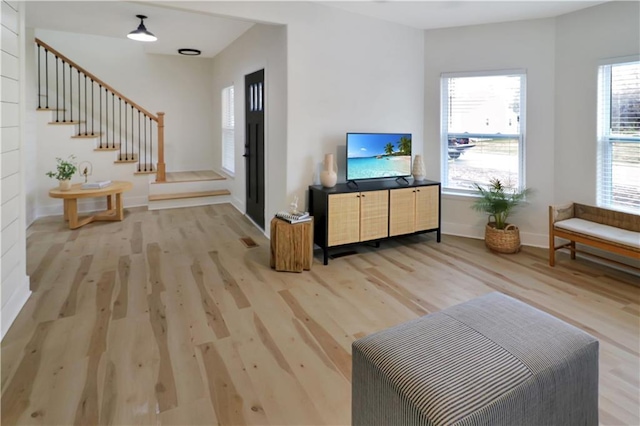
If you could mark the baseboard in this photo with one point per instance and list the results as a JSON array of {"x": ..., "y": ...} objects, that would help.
[
  {"x": 14, "y": 305},
  {"x": 469, "y": 231}
]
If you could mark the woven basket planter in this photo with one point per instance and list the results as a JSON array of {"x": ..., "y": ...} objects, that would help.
[{"x": 502, "y": 240}]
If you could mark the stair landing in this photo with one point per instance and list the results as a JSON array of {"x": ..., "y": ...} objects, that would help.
[{"x": 192, "y": 176}]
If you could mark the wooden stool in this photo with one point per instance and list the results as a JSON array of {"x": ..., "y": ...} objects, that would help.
[{"x": 291, "y": 245}]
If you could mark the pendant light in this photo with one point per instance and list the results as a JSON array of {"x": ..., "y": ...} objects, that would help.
[{"x": 141, "y": 33}]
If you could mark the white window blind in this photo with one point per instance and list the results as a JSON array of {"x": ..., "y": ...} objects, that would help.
[
  {"x": 618, "y": 184},
  {"x": 228, "y": 130},
  {"x": 482, "y": 130}
]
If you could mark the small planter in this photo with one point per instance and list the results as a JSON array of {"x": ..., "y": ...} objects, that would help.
[
  {"x": 502, "y": 240},
  {"x": 65, "y": 185}
]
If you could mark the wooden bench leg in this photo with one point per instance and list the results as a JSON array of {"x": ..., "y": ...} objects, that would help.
[{"x": 573, "y": 250}]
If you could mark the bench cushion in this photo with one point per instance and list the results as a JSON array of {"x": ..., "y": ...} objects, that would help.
[{"x": 603, "y": 232}]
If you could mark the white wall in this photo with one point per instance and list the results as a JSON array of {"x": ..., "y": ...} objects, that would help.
[
  {"x": 525, "y": 45},
  {"x": 15, "y": 283},
  {"x": 263, "y": 46},
  {"x": 345, "y": 72},
  {"x": 583, "y": 38}
]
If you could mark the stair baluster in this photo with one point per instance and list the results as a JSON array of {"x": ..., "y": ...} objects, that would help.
[
  {"x": 139, "y": 152},
  {"x": 46, "y": 75},
  {"x": 120, "y": 121},
  {"x": 64, "y": 105},
  {"x": 79, "y": 108},
  {"x": 70, "y": 93},
  {"x": 57, "y": 97},
  {"x": 93, "y": 105},
  {"x": 39, "y": 80}
]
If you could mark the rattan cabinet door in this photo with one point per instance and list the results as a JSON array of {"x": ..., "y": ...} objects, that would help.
[
  {"x": 402, "y": 211},
  {"x": 426, "y": 208},
  {"x": 343, "y": 219},
  {"x": 374, "y": 215}
]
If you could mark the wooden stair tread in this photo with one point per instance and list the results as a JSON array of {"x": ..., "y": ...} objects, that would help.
[
  {"x": 57, "y": 123},
  {"x": 192, "y": 176},
  {"x": 132, "y": 160},
  {"x": 111, "y": 148},
  {"x": 218, "y": 192},
  {"x": 50, "y": 109},
  {"x": 95, "y": 135}
]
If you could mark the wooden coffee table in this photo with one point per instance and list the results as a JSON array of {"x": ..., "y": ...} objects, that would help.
[{"x": 70, "y": 199}]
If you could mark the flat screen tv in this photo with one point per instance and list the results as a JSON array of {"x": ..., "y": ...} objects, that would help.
[{"x": 378, "y": 155}]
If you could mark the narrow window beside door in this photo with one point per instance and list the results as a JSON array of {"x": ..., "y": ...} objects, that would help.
[{"x": 228, "y": 131}]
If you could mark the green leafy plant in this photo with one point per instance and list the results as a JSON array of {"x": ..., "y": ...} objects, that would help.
[
  {"x": 65, "y": 169},
  {"x": 498, "y": 201}
]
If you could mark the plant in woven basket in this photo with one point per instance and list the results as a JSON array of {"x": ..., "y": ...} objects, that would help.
[{"x": 498, "y": 201}]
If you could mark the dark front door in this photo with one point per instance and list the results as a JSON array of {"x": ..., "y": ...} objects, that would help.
[{"x": 254, "y": 145}]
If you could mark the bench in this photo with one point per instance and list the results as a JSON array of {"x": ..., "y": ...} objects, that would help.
[{"x": 609, "y": 230}]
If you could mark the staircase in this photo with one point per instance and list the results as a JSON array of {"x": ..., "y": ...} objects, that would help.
[{"x": 116, "y": 126}]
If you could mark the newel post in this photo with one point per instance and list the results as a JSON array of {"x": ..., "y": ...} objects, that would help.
[{"x": 160, "y": 173}]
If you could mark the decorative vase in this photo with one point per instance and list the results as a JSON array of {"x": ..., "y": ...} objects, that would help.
[
  {"x": 65, "y": 185},
  {"x": 418, "y": 168},
  {"x": 329, "y": 173}
]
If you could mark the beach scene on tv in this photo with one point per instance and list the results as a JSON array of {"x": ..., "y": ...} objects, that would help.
[{"x": 378, "y": 155}]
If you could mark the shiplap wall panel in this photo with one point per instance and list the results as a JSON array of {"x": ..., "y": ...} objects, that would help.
[
  {"x": 10, "y": 66},
  {"x": 10, "y": 236},
  {"x": 10, "y": 261},
  {"x": 8, "y": 43},
  {"x": 10, "y": 211},
  {"x": 10, "y": 138},
  {"x": 9, "y": 90},
  {"x": 10, "y": 187},
  {"x": 10, "y": 285},
  {"x": 10, "y": 163},
  {"x": 15, "y": 282},
  {"x": 10, "y": 115},
  {"x": 10, "y": 17}
]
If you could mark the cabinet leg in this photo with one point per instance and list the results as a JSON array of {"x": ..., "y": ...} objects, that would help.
[
  {"x": 377, "y": 244},
  {"x": 326, "y": 256},
  {"x": 438, "y": 235}
]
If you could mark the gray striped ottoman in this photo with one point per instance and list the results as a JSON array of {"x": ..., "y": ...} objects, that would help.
[{"x": 490, "y": 361}]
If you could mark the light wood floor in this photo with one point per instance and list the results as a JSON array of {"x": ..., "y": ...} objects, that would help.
[{"x": 168, "y": 318}]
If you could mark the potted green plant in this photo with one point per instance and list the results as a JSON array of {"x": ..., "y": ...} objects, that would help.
[
  {"x": 498, "y": 201},
  {"x": 65, "y": 170}
]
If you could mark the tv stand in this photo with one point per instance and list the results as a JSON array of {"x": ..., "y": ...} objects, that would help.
[
  {"x": 373, "y": 211},
  {"x": 402, "y": 178},
  {"x": 352, "y": 184}
]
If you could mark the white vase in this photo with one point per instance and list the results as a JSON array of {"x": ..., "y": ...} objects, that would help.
[
  {"x": 329, "y": 173},
  {"x": 65, "y": 185},
  {"x": 418, "y": 171}
]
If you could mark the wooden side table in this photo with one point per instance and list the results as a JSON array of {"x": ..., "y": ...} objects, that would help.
[
  {"x": 70, "y": 199},
  {"x": 291, "y": 245}
]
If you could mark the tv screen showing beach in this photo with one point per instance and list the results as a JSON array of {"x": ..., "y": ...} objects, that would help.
[{"x": 378, "y": 155}]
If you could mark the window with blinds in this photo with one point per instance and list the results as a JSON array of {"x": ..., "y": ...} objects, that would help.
[
  {"x": 482, "y": 129},
  {"x": 619, "y": 135},
  {"x": 228, "y": 130}
]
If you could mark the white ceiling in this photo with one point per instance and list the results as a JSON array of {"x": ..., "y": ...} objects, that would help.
[
  {"x": 177, "y": 29},
  {"x": 444, "y": 14}
]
